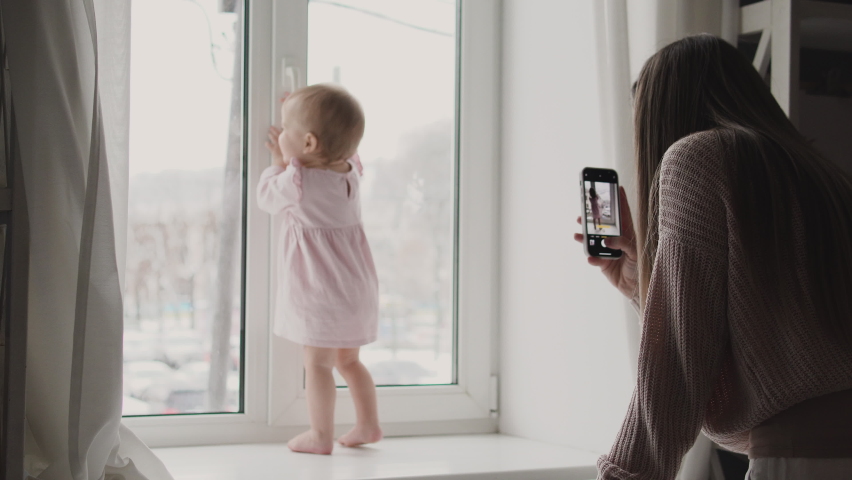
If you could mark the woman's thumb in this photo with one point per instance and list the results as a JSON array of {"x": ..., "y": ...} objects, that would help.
[{"x": 612, "y": 242}]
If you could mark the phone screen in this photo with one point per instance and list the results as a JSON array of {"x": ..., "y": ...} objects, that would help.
[{"x": 602, "y": 219}]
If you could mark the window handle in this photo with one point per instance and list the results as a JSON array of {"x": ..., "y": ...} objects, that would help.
[{"x": 290, "y": 74}]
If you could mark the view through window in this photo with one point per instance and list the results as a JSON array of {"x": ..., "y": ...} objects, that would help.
[
  {"x": 398, "y": 57},
  {"x": 184, "y": 273}
]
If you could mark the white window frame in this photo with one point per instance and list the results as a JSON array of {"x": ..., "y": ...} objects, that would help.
[{"x": 274, "y": 403}]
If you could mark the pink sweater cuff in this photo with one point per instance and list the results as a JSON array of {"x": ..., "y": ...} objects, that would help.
[{"x": 610, "y": 471}]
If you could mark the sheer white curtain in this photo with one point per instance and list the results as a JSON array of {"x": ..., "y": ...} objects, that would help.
[
  {"x": 629, "y": 33},
  {"x": 73, "y": 137}
]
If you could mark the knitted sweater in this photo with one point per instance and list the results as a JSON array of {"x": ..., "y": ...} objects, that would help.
[{"x": 711, "y": 354}]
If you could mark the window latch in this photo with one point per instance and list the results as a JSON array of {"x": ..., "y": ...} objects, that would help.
[{"x": 290, "y": 78}]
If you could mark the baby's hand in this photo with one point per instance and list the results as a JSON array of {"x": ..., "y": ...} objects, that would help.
[{"x": 273, "y": 147}]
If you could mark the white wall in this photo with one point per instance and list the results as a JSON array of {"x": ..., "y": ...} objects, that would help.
[{"x": 565, "y": 371}]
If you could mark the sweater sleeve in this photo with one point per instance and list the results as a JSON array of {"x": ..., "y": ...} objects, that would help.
[
  {"x": 278, "y": 188},
  {"x": 685, "y": 323}
]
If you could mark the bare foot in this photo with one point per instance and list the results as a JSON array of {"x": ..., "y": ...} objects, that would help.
[
  {"x": 311, "y": 442},
  {"x": 361, "y": 435}
]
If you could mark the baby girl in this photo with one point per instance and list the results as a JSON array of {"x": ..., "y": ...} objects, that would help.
[{"x": 327, "y": 297}]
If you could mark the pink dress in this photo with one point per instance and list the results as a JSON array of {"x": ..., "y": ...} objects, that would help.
[
  {"x": 596, "y": 207},
  {"x": 327, "y": 292}
]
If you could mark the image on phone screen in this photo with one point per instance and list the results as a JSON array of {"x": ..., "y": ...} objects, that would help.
[{"x": 602, "y": 209}]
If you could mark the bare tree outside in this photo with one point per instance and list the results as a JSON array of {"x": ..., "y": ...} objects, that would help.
[
  {"x": 230, "y": 232},
  {"x": 184, "y": 261}
]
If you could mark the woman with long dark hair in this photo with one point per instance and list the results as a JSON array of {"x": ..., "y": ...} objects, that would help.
[{"x": 741, "y": 267}]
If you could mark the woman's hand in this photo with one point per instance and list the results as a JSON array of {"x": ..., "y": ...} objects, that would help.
[
  {"x": 623, "y": 273},
  {"x": 274, "y": 148}
]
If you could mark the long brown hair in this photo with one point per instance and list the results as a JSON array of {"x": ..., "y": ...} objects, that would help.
[{"x": 702, "y": 83}]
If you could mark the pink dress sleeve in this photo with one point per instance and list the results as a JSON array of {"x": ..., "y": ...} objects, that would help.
[
  {"x": 279, "y": 188},
  {"x": 356, "y": 160}
]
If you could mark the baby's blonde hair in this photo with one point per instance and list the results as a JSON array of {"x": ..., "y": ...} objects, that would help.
[{"x": 333, "y": 115}]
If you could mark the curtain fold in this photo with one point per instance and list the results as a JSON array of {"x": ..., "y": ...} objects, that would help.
[
  {"x": 653, "y": 24},
  {"x": 617, "y": 121},
  {"x": 74, "y": 357}
]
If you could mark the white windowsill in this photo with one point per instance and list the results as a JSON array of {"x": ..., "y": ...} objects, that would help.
[{"x": 465, "y": 457}]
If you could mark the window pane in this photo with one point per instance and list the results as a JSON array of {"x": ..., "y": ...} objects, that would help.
[
  {"x": 398, "y": 57},
  {"x": 183, "y": 289}
]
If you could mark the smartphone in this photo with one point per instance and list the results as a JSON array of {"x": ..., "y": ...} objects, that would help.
[{"x": 601, "y": 218}]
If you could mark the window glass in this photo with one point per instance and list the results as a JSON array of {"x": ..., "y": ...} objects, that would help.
[
  {"x": 184, "y": 274},
  {"x": 398, "y": 57}
]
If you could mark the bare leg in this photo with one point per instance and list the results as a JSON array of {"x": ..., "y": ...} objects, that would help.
[
  {"x": 360, "y": 382},
  {"x": 321, "y": 392}
]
